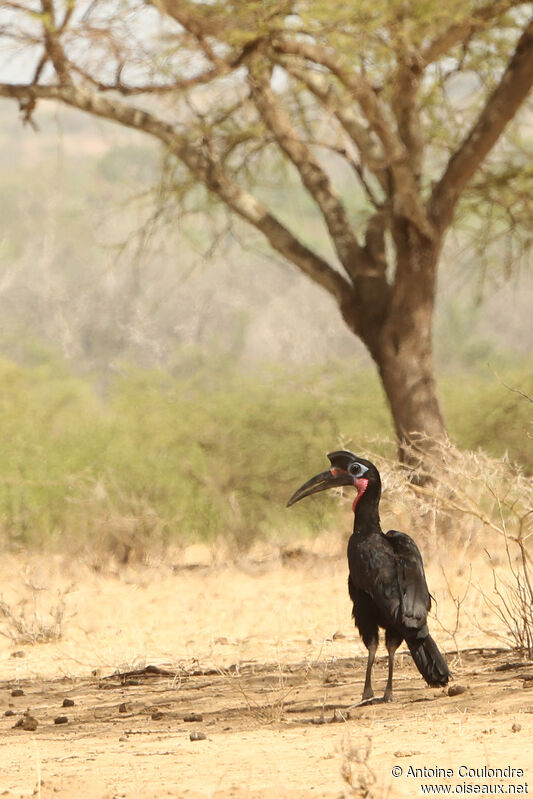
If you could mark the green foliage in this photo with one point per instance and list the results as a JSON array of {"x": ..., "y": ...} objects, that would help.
[
  {"x": 459, "y": 346},
  {"x": 201, "y": 452},
  {"x": 48, "y": 441},
  {"x": 208, "y": 454},
  {"x": 493, "y": 412}
]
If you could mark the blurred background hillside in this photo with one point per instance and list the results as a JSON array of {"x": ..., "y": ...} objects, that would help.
[{"x": 155, "y": 375}]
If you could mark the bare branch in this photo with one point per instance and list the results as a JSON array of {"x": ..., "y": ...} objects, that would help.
[
  {"x": 500, "y": 108},
  {"x": 462, "y": 31},
  {"x": 407, "y": 197},
  {"x": 39, "y": 68},
  {"x": 338, "y": 103},
  {"x": 151, "y": 88},
  {"x": 52, "y": 43},
  {"x": 514, "y": 389},
  {"x": 313, "y": 176}
]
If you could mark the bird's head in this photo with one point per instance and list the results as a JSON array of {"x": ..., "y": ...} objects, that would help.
[{"x": 346, "y": 469}]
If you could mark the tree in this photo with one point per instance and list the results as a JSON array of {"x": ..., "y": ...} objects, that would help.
[{"x": 409, "y": 97}]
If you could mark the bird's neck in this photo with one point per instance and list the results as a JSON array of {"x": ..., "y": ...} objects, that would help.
[{"x": 366, "y": 513}]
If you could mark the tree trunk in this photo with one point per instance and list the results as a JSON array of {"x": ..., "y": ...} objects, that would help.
[
  {"x": 405, "y": 365},
  {"x": 401, "y": 345}
]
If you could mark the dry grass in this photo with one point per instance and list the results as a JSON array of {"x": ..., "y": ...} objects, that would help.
[
  {"x": 512, "y": 600},
  {"x": 270, "y": 712},
  {"x": 26, "y": 623}
]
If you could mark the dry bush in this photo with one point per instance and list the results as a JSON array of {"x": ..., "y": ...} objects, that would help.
[
  {"x": 473, "y": 512},
  {"x": 263, "y": 712},
  {"x": 512, "y": 600},
  {"x": 32, "y": 625}
]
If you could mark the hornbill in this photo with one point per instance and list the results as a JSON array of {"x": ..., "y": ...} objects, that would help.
[{"x": 386, "y": 581}]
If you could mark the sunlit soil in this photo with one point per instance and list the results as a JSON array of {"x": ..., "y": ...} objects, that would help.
[{"x": 265, "y": 652}]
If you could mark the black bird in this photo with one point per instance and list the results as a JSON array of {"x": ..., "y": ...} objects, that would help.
[{"x": 386, "y": 582}]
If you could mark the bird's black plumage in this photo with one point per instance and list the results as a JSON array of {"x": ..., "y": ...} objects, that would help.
[{"x": 386, "y": 582}]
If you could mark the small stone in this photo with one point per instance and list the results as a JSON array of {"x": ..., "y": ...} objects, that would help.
[
  {"x": 338, "y": 635},
  {"x": 19, "y": 653},
  {"x": 157, "y": 716},
  {"x": 61, "y": 720},
  {"x": 318, "y": 720},
  {"x": 455, "y": 690},
  {"x": 67, "y": 702},
  {"x": 197, "y": 736},
  {"x": 123, "y": 708},
  {"x": 9, "y": 713},
  {"x": 17, "y": 692},
  {"x": 193, "y": 717},
  {"x": 516, "y": 727},
  {"x": 123, "y": 738},
  {"x": 27, "y": 723}
]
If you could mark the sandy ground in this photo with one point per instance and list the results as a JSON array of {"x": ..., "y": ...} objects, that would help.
[{"x": 264, "y": 655}]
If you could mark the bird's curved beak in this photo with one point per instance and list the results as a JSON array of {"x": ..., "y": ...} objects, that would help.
[{"x": 320, "y": 482}]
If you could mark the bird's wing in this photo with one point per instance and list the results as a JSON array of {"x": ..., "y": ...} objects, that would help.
[{"x": 415, "y": 600}]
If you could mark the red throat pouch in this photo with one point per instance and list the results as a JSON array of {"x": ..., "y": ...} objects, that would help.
[{"x": 361, "y": 484}]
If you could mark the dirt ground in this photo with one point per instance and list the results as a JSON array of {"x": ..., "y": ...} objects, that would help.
[{"x": 260, "y": 657}]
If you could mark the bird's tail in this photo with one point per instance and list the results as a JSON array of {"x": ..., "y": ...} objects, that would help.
[{"x": 429, "y": 661}]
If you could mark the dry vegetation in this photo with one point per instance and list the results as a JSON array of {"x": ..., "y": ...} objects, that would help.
[
  {"x": 261, "y": 654},
  {"x": 23, "y": 626}
]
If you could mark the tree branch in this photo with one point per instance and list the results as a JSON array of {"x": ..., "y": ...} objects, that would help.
[
  {"x": 212, "y": 20},
  {"x": 205, "y": 169},
  {"x": 462, "y": 31},
  {"x": 500, "y": 108},
  {"x": 339, "y": 104},
  {"x": 313, "y": 176},
  {"x": 404, "y": 102},
  {"x": 407, "y": 197},
  {"x": 200, "y": 19},
  {"x": 182, "y": 84},
  {"x": 197, "y": 28},
  {"x": 52, "y": 44}
]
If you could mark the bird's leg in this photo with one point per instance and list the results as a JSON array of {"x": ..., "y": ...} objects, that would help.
[
  {"x": 392, "y": 642},
  {"x": 368, "y": 693}
]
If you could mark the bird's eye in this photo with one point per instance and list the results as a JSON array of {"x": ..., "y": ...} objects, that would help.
[{"x": 357, "y": 469}]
